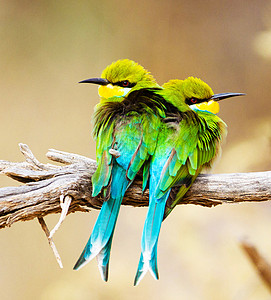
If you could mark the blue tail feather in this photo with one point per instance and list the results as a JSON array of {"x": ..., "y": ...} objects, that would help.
[
  {"x": 146, "y": 265},
  {"x": 99, "y": 243},
  {"x": 148, "y": 258},
  {"x": 103, "y": 259}
]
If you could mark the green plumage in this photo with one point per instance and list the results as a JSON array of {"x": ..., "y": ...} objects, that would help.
[
  {"x": 136, "y": 121},
  {"x": 158, "y": 131},
  {"x": 193, "y": 138},
  {"x": 126, "y": 126},
  {"x": 188, "y": 141},
  {"x": 195, "y": 144}
]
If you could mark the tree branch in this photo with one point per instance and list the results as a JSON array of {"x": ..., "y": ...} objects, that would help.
[{"x": 45, "y": 184}]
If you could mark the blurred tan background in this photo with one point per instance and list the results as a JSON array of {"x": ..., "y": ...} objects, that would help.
[{"x": 46, "y": 48}]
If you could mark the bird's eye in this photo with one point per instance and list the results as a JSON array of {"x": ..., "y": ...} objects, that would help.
[
  {"x": 125, "y": 83},
  {"x": 193, "y": 100}
]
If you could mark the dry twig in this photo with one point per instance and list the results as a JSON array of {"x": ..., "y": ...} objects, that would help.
[
  {"x": 50, "y": 240},
  {"x": 259, "y": 262}
]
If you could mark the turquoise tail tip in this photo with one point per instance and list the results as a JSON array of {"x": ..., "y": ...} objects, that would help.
[
  {"x": 144, "y": 266},
  {"x": 104, "y": 272},
  {"x": 103, "y": 259},
  {"x": 80, "y": 262}
]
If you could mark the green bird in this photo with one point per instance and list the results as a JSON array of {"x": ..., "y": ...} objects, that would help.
[
  {"x": 126, "y": 127},
  {"x": 189, "y": 139}
]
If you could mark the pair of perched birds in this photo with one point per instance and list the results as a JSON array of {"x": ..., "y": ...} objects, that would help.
[{"x": 168, "y": 133}]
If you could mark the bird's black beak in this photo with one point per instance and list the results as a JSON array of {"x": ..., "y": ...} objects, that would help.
[
  {"x": 218, "y": 97},
  {"x": 100, "y": 81}
]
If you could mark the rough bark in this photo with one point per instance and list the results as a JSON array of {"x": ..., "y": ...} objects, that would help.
[{"x": 45, "y": 184}]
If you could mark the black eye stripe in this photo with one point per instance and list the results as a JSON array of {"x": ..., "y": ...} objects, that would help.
[
  {"x": 123, "y": 84},
  {"x": 191, "y": 101}
]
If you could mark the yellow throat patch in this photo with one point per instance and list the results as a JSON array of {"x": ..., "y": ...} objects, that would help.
[
  {"x": 108, "y": 91},
  {"x": 211, "y": 106}
]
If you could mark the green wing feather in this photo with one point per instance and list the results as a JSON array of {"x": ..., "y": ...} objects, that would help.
[
  {"x": 129, "y": 125},
  {"x": 101, "y": 177},
  {"x": 129, "y": 143},
  {"x": 194, "y": 146},
  {"x": 150, "y": 125}
]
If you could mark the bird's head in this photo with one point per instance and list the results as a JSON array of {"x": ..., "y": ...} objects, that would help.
[
  {"x": 122, "y": 77},
  {"x": 196, "y": 94}
]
